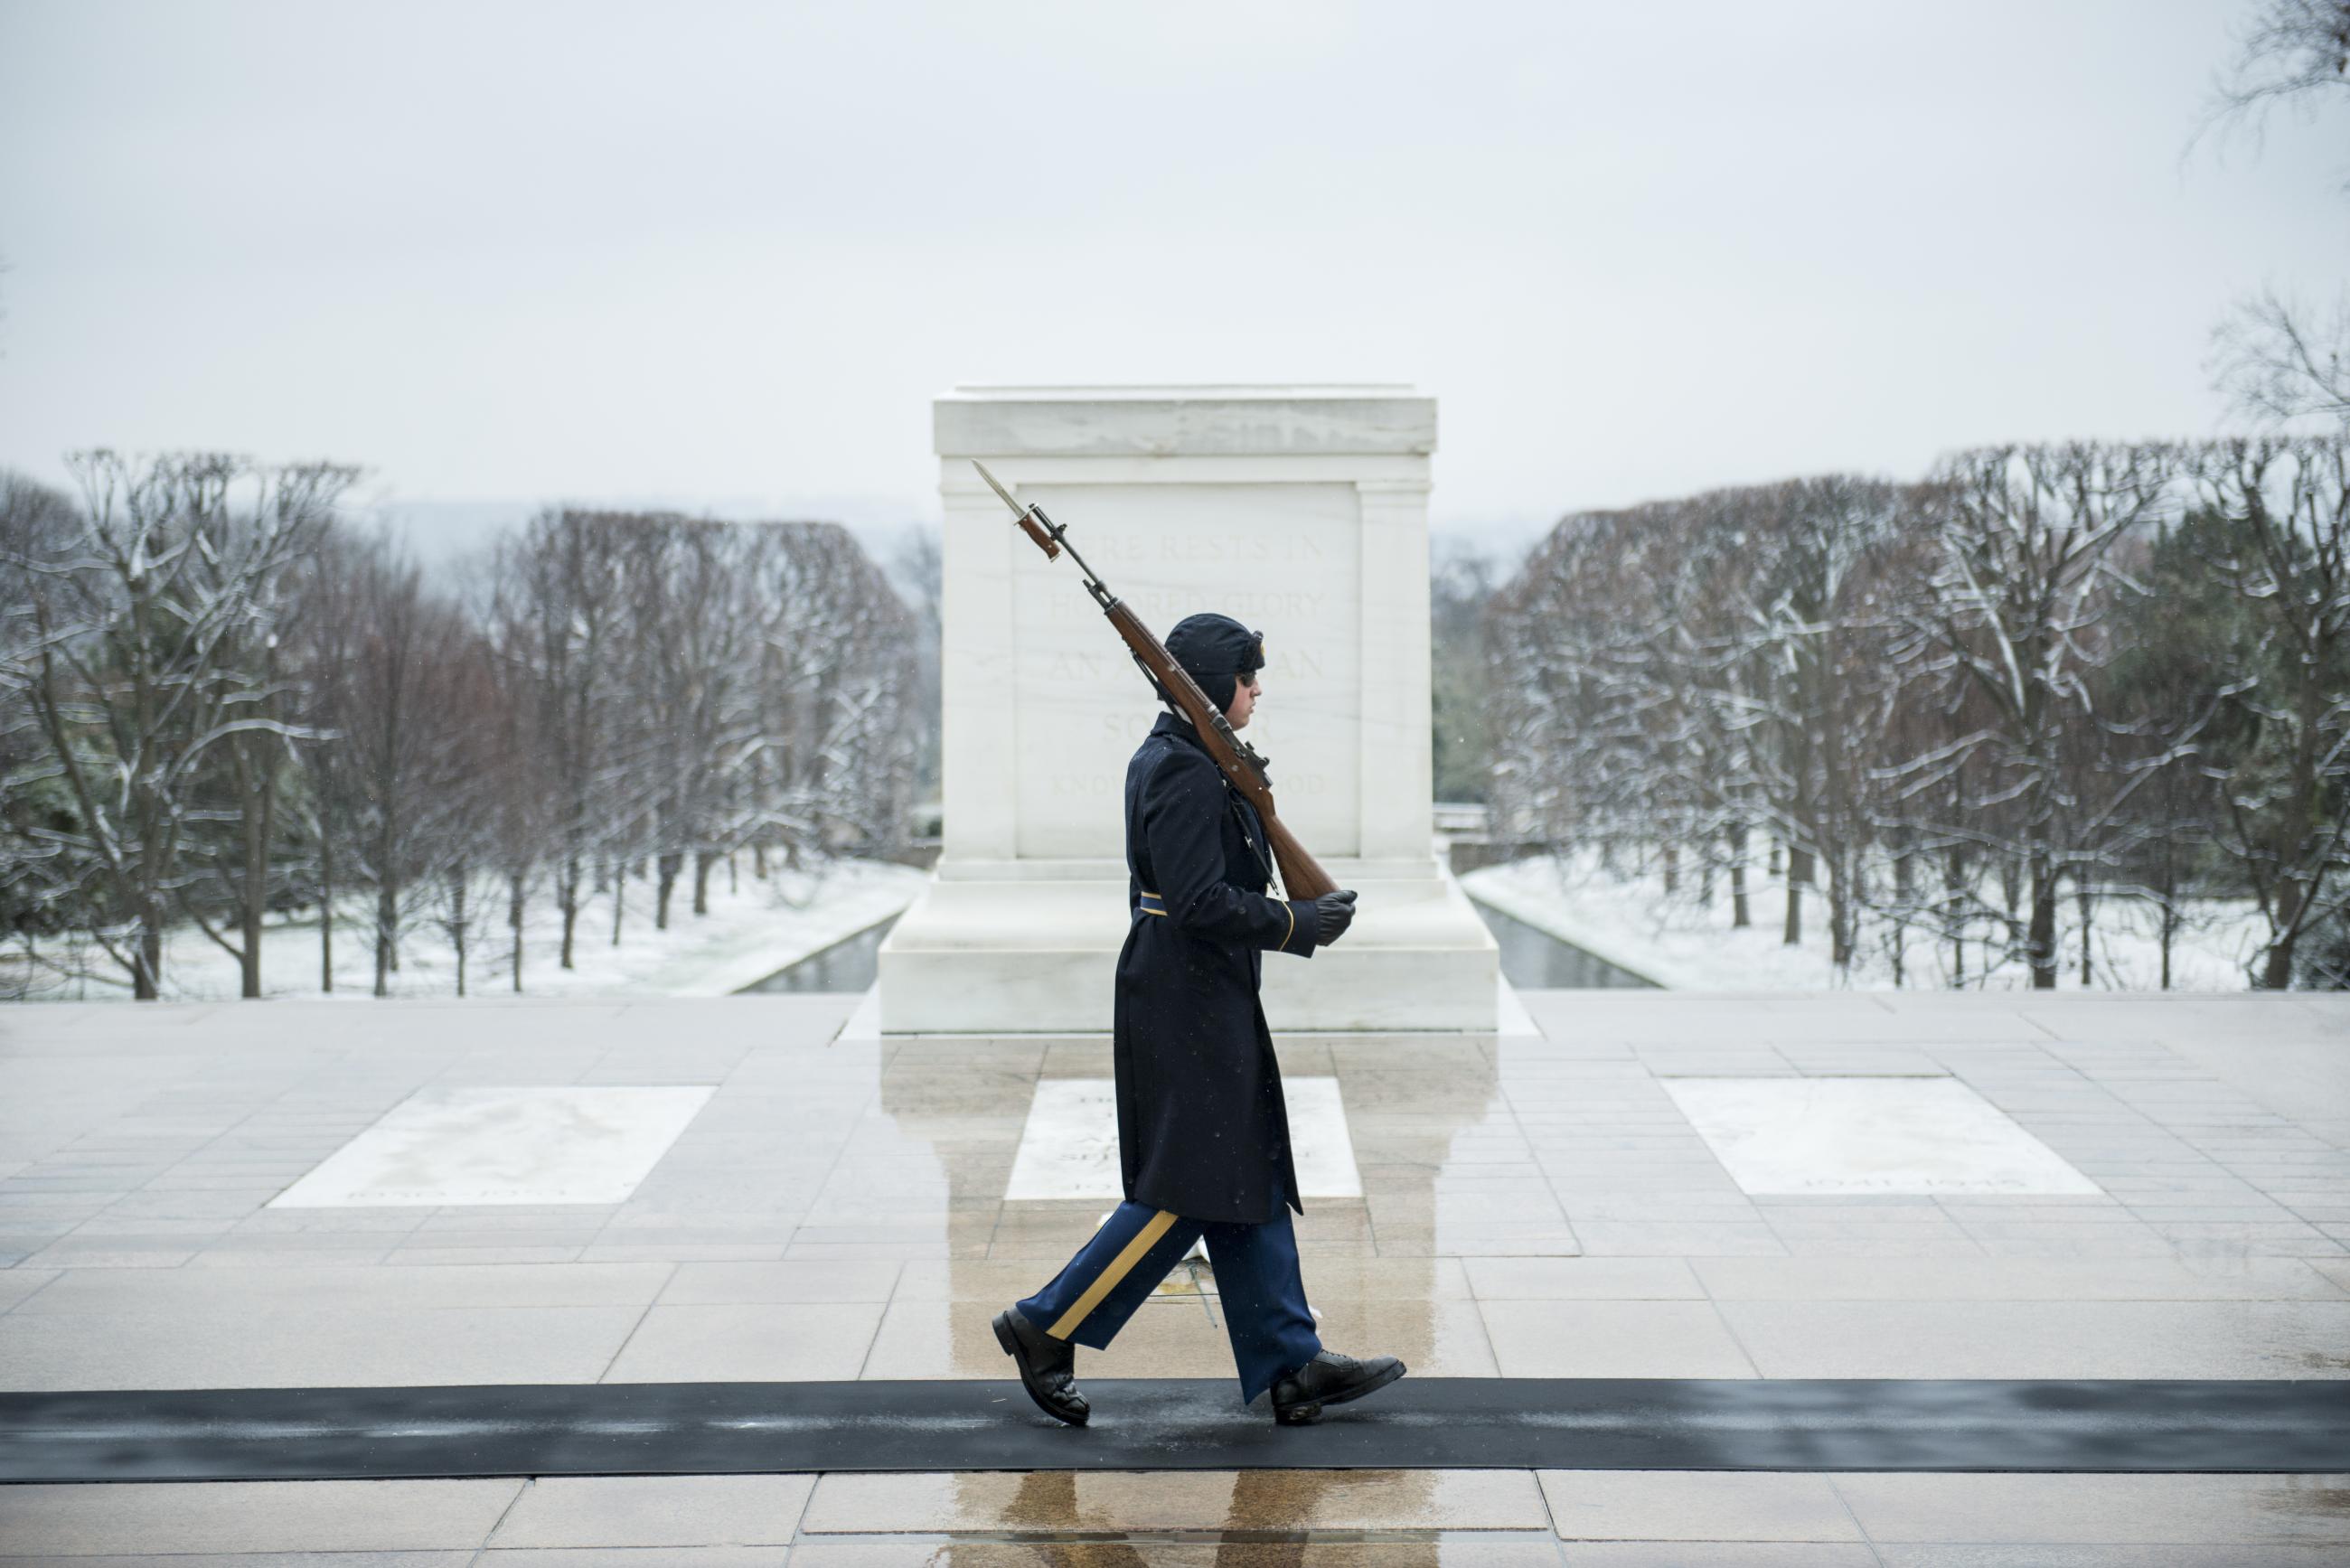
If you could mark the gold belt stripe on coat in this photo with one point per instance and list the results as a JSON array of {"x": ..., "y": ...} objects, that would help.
[
  {"x": 1152, "y": 904},
  {"x": 1119, "y": 1267}
]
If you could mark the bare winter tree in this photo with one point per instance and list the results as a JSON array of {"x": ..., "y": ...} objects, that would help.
[
  {"x": 694, "y": 689},
  {"x": 2283, "y": 552},
  {"x": 330, "y": 630},
  {"x": 1570, "y": 647},
  {"x": 215, "y": 703},
  {"x": 558, "y": 619},
  {"x": 692, "y": 634},
  {"x": 37, "y": 525},
  {"x": 2280, "y": 358},
  {"x": 838, "y": 677},
  {"x": 2167, "y": 703},
  {"x": 474, "y": 732},
  {"x": 918, "y": 571},
  {"x": 414, "y": 727},
  {"x": 2289, "y": 52},
  {"x": 153, "y": 630},
  {"x": 2286, "y": 363},
  {"x": 1686, "y": 674},
  {"x": 261, "y": 757},
  {"x": 1805, "y": 629},
  {"x": 2024, "y": 546},
  {"x": 1533, "y": 720},
  {"x": 1462, "y": 580},
  {"x": 516, "y": 782}
]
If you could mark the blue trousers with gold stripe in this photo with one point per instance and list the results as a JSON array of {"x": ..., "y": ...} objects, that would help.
[{"x": 1262, "y": 1294}]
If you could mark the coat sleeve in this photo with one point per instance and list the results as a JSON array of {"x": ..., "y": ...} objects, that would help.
[{"x": 1183, "y": 822}]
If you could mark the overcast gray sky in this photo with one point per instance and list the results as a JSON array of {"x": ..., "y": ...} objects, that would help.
[{"x": 722, "y": 256}]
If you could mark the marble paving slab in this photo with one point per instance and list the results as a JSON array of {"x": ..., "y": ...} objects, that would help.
[
  {"x": 477, "y": 1143},
  {"x": 1069, "y": 1146},
  {"x": 1815, "y": 1135}
]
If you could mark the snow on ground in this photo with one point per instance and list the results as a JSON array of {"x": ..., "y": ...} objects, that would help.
[
  {"x": 754, "y": 928},
  {"x": 1628, "y": 919}
]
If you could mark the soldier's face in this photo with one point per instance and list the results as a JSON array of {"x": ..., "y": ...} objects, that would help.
[{"x": 1246, "y": 692}]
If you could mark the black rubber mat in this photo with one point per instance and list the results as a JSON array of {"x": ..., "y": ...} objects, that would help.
[{"x": 1421, "y": 1423}]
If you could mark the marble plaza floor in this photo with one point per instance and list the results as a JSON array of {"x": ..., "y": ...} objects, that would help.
[{"x": 2150, "y": 1187}]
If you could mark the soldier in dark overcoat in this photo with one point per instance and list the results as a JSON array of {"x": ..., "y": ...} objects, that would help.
[{"x": 1203, "y": 1135}]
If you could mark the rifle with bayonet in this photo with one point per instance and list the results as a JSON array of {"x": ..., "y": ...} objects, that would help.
[{"x": 1301, "y": 879}]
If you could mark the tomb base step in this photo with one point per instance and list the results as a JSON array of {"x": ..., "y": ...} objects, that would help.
[{"x": 973, "y": 956}]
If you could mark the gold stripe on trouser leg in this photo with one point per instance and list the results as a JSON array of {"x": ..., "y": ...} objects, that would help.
[{"x": 1158, "y": 1225}]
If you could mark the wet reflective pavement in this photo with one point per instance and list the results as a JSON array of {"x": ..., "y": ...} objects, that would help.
[
  {"x": 1532, "y": 960},
  {"x": 1532, "y": 1206}
]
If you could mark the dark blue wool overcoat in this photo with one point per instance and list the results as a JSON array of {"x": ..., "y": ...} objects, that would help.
[{"x": 1202, "y": 1128}]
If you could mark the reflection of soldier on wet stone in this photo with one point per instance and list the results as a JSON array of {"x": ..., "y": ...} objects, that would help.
[{"x": 1203, "y": 1137}]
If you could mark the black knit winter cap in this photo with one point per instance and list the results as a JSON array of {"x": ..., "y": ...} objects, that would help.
[{"x": 1213, "y": 649}]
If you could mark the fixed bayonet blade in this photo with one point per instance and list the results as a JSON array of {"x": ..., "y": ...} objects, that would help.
[{"x": 1018, "y": 509}]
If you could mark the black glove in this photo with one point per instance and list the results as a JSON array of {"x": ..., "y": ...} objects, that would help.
[{"x": 1335, "y": 912}]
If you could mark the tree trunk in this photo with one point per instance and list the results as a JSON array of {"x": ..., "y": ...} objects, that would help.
[
  {"x": 1905, "y": 899},
  {"x": 2040, "y": 940},
  {"x": 2167, "y": 928},
  {"x": 1954, "y": 911},
  {"x": 671, "y": 865},
  {"x": 326, "y": 910},
  {"x": 147, "y": 971},
  {"x": 387, "y": 916},
  {"x": 1672, "y": 869},
  {"x": 2276, "y": 974},
  {"x": 620, "y": 896},
  {"x": 702, "y": 861},
  {"x": 256, "y": 891},
  {"x": 457, "y": 879},
  {"x": 1799, "y": 872},
  {"x": 1739, "y": 915},
  {"x": 2083, "y": 901},
  {"x": 2308, "y": 786},
  {"x": 733, "y": 878},
  {"x": 566, "y": 897},
  {"x": 1842, "y": 899},
  {"x": 514, "y": 919}
]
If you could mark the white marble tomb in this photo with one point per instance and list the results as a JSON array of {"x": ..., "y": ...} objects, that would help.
[{"x": 1303, "y": 512}]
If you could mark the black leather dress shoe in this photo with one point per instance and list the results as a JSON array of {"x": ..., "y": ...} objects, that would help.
[
  {"x": 1048, "y": 1366},
  {"x": 1329, "y": 1378}
]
